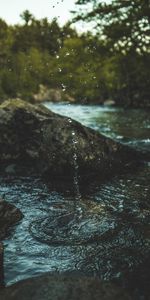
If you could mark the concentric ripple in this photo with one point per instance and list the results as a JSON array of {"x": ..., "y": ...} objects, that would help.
[{"x": 68, "y": 228}]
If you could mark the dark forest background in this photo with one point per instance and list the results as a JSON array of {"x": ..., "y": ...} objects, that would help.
[{"x": 112, "y": 62}]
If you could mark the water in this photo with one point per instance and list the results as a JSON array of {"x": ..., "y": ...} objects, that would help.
[
  {"x": 129, "y": 126},
  {"x": 111, "y": 239},
  {"x": 77, "y": 195}
]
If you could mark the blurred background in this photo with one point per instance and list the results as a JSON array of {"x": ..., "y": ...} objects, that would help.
[{"x": 83, "y": 51}]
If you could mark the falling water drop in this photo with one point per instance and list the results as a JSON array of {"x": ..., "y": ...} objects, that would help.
[
  {"x": 77, "y": 207},
  {"x": 63, "y": 87}
]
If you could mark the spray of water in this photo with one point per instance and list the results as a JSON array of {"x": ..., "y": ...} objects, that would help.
[{"x": 77, "y": 201}]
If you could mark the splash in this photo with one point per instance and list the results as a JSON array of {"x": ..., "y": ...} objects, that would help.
[
  {"x": 78, "y": 197},
  {"x": 63, "y": 226},
  {"x": 75, "y": 225}
]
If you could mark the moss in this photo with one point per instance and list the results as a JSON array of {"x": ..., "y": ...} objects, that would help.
[{"x": 13, "y": 103}]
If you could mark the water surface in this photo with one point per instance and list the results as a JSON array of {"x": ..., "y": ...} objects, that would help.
[
  {"x": 130, "y": 126},
  {"x": 112, "y": 238}
]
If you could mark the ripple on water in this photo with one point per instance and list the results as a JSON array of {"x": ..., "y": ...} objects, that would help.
[
  {"x": 118, "y": 210},
  {"x": 68, "y": 229},
  {"x": 120, "y": 207}
]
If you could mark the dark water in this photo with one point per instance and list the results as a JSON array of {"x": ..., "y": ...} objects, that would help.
[{"x": 102, "y": 229}]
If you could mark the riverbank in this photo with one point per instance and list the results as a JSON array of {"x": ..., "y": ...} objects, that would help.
[{"x": 56, "y": 95}]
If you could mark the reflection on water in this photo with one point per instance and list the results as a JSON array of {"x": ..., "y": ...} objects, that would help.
[{"x": 111, "y": 240}]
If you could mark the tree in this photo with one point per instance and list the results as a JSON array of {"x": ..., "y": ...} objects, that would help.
[
  {"x": 124, "y": 23},
  {"x": 26, "y": 16},
  {"x": 38, "y": 34},
  {"x": 124, "y": 26},
  {"x": 48, "y": 35},
  {"x": 80, "y": 69}
]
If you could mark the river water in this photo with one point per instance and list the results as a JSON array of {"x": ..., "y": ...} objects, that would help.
[{"x": 113, "y": 239}]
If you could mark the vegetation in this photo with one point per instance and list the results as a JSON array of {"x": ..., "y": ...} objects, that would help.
[
  {"x": 124, "y": 25},
  {"x": 112, "y": 64}
]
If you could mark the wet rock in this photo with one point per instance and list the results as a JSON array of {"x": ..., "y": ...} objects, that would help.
[
  {"x": 57, "y": 287},
  {"x": 10, "y": 169},
  {"x": 138, "y": 280},
  {"x": 37, "y": 139},
  {"x": 9, "y": 215},
  {"x": 1, "y": 265}
]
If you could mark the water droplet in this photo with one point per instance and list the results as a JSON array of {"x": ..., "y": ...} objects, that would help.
[
  {"x": 119, "y": 137},
  {"x": 63, "y": 87},
  {"x": 75, "y": 142}
]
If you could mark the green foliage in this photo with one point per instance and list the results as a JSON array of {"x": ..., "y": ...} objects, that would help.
[
  {"x": 38, "y": 34},
  {"x": 88, "y": 67},
  {"x": 26, "y": 16},
  {"x": 78, "y": 69},
  {"x": 124, "y": 23}
]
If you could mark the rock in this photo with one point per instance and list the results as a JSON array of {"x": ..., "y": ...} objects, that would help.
[
  {"x": 37, "y": 139},
  {"x": 55, "y": 287},
  {"x": 1, "y": 265},
  {"x": 109, "y": 102},
  {"x": 9, "y": 216},
  {"x": 10, "y": 169},
  {"x": 138, "y": 280},
  {"x": 52, "y": 95}
]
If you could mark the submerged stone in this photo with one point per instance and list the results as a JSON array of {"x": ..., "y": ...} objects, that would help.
[
  {"x": 34, "y": 138},
  {"x": 55, "y": 287},
  {"x": 9, "y": 216}
]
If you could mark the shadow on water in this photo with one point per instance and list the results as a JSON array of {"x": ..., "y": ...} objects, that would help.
[{"x": 97, "y": 229}]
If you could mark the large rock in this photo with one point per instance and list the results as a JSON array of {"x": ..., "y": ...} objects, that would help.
[
  {"x": 52, "y": 95},
  {"x": 63, "y": 287},
  {"x": 9, "y": 216},
  {"x": 38, "y": 139}
]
